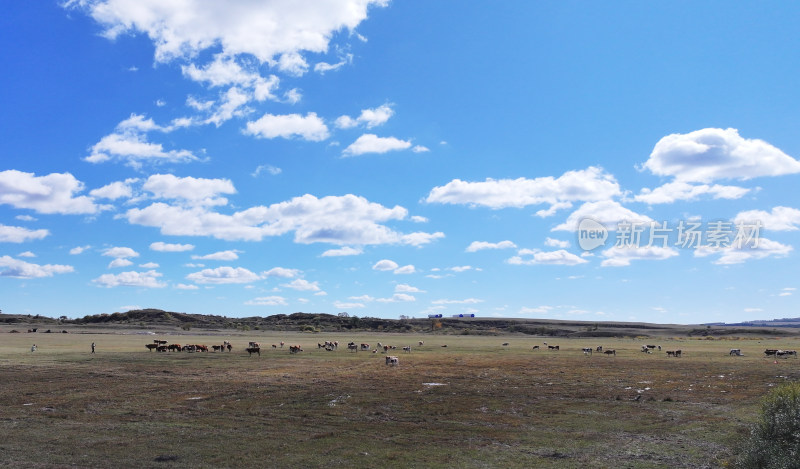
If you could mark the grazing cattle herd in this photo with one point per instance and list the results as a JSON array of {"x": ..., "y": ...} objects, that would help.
[
  {"x": 255, "y": 348},
  {"x": 164, "y": 346}
]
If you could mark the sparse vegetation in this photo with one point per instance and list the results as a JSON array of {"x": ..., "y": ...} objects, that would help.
[{"x": 774, "y": 440}]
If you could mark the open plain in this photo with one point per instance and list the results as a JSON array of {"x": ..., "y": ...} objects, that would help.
[{"x": 473, "y": 403}]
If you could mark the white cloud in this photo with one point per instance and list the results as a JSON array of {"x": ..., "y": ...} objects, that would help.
[
  {"x": 710, "y": 154},
  {"x": 384, "y": 265},
  {"x": 54, "y": 193},
  {"x": 79, "y": 250},
  {"x": 115, "y": 190},
  {"x": 344, "y": 251},
  {"x": 467, "y": 301},
  {"x": 420, "y": 149},
  {"x": 147, "y": 279},
  {"x": 119, "y": 262},
  {"x": 406, "y": 269},
  {"x": 476, "y": 246},
  {"x": 342, "y": 220},
  {"x": 779, "y": 219},
  {"x": 618, "y": 257},
  {"x": 680, "y": 190},
  {"x": 223, "y": 275},
  {"x": 536, "y": 310},
  {"x": 263, "y": 30},
  {"x": 608, "y": 212},
  {"x": 559, "y": 257},
  {"x": 733, "y": 255},
  {"x": 418, "y": 219},
  {"x": 405, "y": 288},
  {"x": 129, "y": 144},
  {"x": 556, "y": 243},
  {"x": 18, "y": 234},
  {"x": 591, "y": 184},
  {"x": 193, "y": 191},
  {"x": 369, "y": 117},
  {"x": 268, "y": 168},
  {"x": 461, "y": 268},
  {"x": 323, "y": 67},
  {"x": 26, "y": 254},
  {"x": 120, "y": 252},
  {"x": 166, "y": 247},
  {"x": 397, "y": 298},
  {"x": 419, "y": 238},
  {"x": 10, "y": 267},
  {"x": 149, "y": 265},
  {"x": 544, "y": 213},
  {"x": 183, "y": 286},
  {"x": 230, "y": 255},
  {"x": 371, "y": 143},
  {"x": 271, "y": 126},
  {"x": 281, "y": 272},
  {"x": 267, "y": 301},
  {"x": 345, "y": 305},
  {"x": 302, "y": 285},
  {"x": 25, "y": 218}
]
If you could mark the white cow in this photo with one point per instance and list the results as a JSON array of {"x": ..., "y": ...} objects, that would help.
[{"x": 392, "y": 360}]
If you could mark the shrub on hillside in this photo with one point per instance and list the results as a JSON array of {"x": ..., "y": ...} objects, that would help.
[{"x": 774, "y": 440}]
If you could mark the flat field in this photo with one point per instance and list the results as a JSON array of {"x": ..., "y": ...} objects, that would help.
[{"x": 474, "y": 403}]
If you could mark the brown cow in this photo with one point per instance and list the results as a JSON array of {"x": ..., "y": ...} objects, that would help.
[{"x": 151, "y": 347}]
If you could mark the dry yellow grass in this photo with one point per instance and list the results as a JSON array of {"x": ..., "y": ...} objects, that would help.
[{"x": 474, "y": 403}]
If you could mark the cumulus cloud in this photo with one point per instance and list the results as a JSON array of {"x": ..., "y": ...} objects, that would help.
[
  {"x": 680, "y": 190},
  {"x": 266, "y": 31},
  {"x": 271, "y": 126},
  {"x": 342, "y": 220},
  {"x": 711, "y": 154},
  {"x": 120, "y": 252},
  {"x": 129, "y": 144},
  {"x": 344, "y": 251},
  {"x": 405, "y": 288},
  {"x": 385, "y": 265},
  {"x": 230, "y": 255},
  {"x": 397, "y": 298},
  {"x": 190, "y": 190},
  {"x": 79, "y": 250},
  {"x": 267, "y": 301},
  {"x": 18, "y": 234},
  {"x": 559, "y": 257},
  {"x": 119, "y": 262},
  {"x": 406, "y": 269},
  {"x": 302, "y": 285},
  {"x": 467, "y": 301},
  {"x": 622, "y": 256},
  {"x": 778, "y": 219},
  {"x": 183, "y": 286},
  {"x": 167, "y": 247},
  {"x": 15, "y": 268},
  {"x": 115, "y": 190},
  {"x": 476, "y": 246},
  {"x": 608, "y": 212},
  {"x": 371, "y": 143},
  {"x": 281, "y": 272},
  {"x": 369, "y": 117},
  {"x": 738, "y": 254},
  {"x": 556, "y": 243},
  {"x": 223, "y": 275},
  {"x": 591, "y": 184},
  {"x": 53, "y": 193},
  {"x": 148, "y": 279}
]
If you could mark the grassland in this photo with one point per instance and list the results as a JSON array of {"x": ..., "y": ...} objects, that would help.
[{"x": 474, "y": 403}]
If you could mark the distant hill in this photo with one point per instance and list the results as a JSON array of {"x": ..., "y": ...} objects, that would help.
[
  {"x": 328, "y": 323},
  {"x": 785, "y": 322}
]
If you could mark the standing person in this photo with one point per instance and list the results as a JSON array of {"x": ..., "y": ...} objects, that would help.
[
  {"x": 92, "y": 347},
  {"x": 33, "y": 348}
]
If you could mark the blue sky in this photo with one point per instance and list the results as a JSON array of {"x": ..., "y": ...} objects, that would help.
[{"x": 399, "y": 158}]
